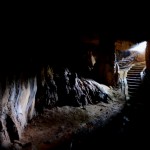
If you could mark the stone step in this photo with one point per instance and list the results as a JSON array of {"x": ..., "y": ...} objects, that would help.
[
  {"x": 133, "y": 85},
  {"x": 134, "y": 71},
  {"x": 131, "y": 93},
  {"x": 138, "y": 65},
  {"x": 138, "y": 68},
  {"x": 133, "y": 79},
  {"x": 131, "y": 96},
  {"x": 133, "y": 75},
  {"x": 133, "y": 89},
  {"x": 133, "y": 82}
]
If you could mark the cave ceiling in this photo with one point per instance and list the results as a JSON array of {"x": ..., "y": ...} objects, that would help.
[{"x": 39, "y": 43}]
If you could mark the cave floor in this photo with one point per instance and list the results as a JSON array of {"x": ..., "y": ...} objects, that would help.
[
  {"x": 63, "y": 127},
  {"x": 112, "y": 125},
  {"x": 118, "y": 124}
]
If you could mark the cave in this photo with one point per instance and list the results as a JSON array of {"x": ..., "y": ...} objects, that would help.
[{"x": 74, "y": 90}]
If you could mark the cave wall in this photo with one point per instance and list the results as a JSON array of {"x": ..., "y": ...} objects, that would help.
[
  {"x": 122, "y": 50},
  {"x": 147, "y": 55},
  {"x": 17, "y": 102},
  {"x": 123, "y": 45},
  {"x": 100, "y": 52},
  {"x": 25, "y": 94}
]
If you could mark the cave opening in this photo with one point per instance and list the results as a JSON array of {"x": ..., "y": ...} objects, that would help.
[{"x": 130, "y": 59}]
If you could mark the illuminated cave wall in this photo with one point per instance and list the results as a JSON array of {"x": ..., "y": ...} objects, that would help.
[
  {"x": 147, "y": 55},
  {"x": 123, "y": 45},
  {"x": 122, "y": 50}
]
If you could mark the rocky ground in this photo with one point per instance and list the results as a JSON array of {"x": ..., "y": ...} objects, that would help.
[
  {"x": 62, "y": 127},
  {"x": 110, "y": 124}
]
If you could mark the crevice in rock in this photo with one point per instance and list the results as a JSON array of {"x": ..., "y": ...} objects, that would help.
[{"x": 11, "y": 129}]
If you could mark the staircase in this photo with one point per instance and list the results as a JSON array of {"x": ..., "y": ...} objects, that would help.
[
  {"x": 128, "y": 61},
  {"x": 134, "y": 78}
]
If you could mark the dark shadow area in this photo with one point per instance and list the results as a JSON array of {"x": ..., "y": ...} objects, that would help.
[{"x": 11, "y": 129}]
